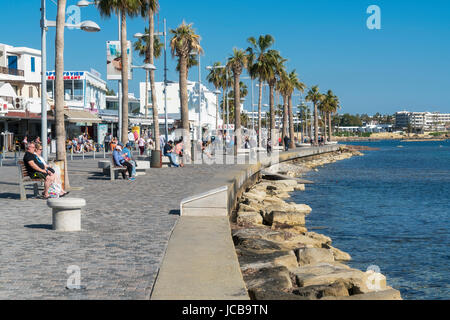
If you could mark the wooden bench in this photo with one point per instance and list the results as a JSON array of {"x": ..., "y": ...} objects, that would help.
[
  {"x": 25, "y": 180},
  {"x": 113, "y": 168}
]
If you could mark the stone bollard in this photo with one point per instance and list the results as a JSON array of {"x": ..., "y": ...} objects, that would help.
[{"x": 66, "y": 213}]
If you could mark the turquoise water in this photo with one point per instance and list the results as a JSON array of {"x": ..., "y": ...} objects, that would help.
[{"x": 389, "y": 208}]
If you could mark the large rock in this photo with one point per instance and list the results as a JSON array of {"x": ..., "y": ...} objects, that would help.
[
  {"x": 273, "y": 201},
  {"x": 246, "y": 208},
  {"x": 248, "y": 218},
  {"x": 282, "y": 217},
  {"x": 257, "y": 206},
  {"x": 336, "y": 289},
  {"x": 259, "y": 233},
  {"x": 300, "y": 187},
  {"x": 255, "y": 195},
  {"x": 314, "y": 256},
  {"x": 355, "y": 280},
  {"x": 324, "y": 240},
  {"x": 286, "y": 207},
  {"x": 339, "y": 255},
  {"x": 299, "y": 208},
  {"x": 257, "y": 245},
  {"x": 389, "y": 294},
  {"x": 268, "y": 279},
  {"x": 249, "y": 259},
  {"x": 261, "y": 294},
  {"x": 296, "y": 229},
  {"x": 284, "y": 237},
  {"x": 285, "y": 183}
]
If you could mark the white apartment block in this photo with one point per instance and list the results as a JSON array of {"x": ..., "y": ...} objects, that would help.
[
  {"x": 424, "y": 121},
  {"x": 208, "y": 104},
  {"x": 20, "y": 69}
]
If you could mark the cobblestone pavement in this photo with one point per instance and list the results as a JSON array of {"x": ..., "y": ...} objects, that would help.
[{"x": 126, "y": 227}]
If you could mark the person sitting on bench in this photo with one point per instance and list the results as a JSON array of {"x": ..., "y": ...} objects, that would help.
[
  {"x": 169, "y": 151},
  {"x": 37, "y": 170},
  {"x": 119, "y": 161}
]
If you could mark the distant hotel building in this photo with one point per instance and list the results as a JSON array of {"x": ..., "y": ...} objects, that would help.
[{"x": 422, "y": 121}]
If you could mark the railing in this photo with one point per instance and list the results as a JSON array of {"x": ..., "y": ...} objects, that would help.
[{"x": 13, "y": 72}]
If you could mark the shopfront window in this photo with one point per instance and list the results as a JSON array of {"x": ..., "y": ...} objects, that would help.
[
  {"x": 134, "y": 107},
  {"x": 78, "y": 90}
]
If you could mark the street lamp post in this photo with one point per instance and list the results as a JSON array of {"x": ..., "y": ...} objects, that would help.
[{"x": 88, "y": 26}]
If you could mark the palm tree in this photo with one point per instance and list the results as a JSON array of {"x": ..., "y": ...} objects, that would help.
[
  {"x": 243, "y": 93},
  {"x": 122, "y": 8},
  {"x": 323, "y": 107},
  {"x": 59, "y": 90},
  {"x": 315, "y": 97},
  {"x": 142, "y": 47},
  {"x": 295, "y": 84},
  {"x": 152, "y": 7},
  {"x": 283, "y": 86},
  {"x": 259, "y": 67},
  {"x": 276, "y": 63},
  {"x": 215, "y": 77},
  {"x": 192, "y": 62},
  {"x": 236, "y": 63},
  {"x": 333, "y": 107},
  {"x": 184, "y": 42}
]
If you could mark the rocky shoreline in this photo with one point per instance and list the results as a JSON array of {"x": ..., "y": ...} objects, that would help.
[{"x": 281, "y": 260}]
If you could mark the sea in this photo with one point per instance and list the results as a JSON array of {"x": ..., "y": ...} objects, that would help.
[{"x": 390, "y": 210}]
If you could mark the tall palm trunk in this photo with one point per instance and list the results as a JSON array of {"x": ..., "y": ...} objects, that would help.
[
  {"x": 59, "y": 91},
  {"x": 329, "y": 127},
  {"x": 123, "y": 48},
  {"x": 59, "y": 82},
  {"x": 184, "y": 107},
  {"x": 285, "y": 118},
  {"x": 273, "y": 136},
  {"x": 291, "y": 123},
  {"x": 325, "y": 126},
  {"x": 259, "y": 113},
  {"x": 151, "y": 20},
  {"x": 316, "y": 125},
  {"x": 237, "y": 113}
]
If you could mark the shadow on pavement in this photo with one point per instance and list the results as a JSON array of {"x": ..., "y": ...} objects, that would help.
[
  {"x": 39, "y": 226},
  {"x": 8, "y": 195}
]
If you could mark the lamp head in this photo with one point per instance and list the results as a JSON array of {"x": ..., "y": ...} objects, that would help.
[
  {"x": 89, "y": 26},
  {"x": 83, "y": 3}
]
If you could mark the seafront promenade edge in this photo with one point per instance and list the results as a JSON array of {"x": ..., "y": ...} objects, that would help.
[{"x": 201, "y": 261}]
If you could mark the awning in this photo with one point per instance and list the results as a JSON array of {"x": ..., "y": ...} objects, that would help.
[
  {"x": 6, "y": 90},
  {"x": 79, "y": 116},
  {"x": 141, "y": 121}
]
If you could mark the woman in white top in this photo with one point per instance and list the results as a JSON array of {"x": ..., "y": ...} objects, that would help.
[{"x": 141, "y": 144}]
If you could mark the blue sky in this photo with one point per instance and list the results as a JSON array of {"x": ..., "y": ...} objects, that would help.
[{"x": 405, "y": 65}]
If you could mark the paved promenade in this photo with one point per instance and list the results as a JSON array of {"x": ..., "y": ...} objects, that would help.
[{"x": 126, "y": 228}]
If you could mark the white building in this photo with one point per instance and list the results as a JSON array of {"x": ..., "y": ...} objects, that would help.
[
  {"x": 20, "y": 89},
  {"x": 84, "y": 96},
  {"x": 208, "y": 106},
  {"x": 423, "y": 121}
]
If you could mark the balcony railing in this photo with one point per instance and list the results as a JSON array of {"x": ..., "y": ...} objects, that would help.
[{"x": 13, "y": 72}]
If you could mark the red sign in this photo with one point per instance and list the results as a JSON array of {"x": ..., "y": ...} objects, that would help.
[{"x": 65, "y": 78}]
